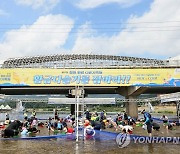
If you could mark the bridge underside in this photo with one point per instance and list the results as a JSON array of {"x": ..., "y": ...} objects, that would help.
[
  {"x": 128, "y": 92},
  {"x": 88, "y": 90},
  {"x": 114, "y": 75}
]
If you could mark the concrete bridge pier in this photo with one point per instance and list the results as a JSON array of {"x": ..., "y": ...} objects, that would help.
[
  {"x": 131, "y": 93},
  {"x": 73, "y": 109},
  {"x": 132, "y": 107},
  {"x": 74, "y": 93}
]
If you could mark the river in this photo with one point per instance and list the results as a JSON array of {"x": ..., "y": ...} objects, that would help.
[{"x": 92, "y": 146}]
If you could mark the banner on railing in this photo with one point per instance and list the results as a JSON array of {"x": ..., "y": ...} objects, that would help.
[{"x": 90, "y": 77}]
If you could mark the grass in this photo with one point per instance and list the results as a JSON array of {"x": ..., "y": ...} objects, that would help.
[
  {"x": 157, "y": 109},
  {"x": 161, "y": 109},
  {"x": 165, "y": 111}
]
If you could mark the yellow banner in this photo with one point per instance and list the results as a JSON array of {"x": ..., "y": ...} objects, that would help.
[{"x": 89, "y": 77}]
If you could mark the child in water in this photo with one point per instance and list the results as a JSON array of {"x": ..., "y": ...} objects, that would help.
[
  {"x": 170, "y": 126},
  {"x": 24, "y": 132},
  {"x": 126, "y": 129}
]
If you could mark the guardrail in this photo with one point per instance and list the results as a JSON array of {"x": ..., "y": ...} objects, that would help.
[
  {"x": 161, "y": 98},
  {"x": 170, "y": 97},
  {"x": 87, "y": 61},
  {"x": 117, "y": 100}
]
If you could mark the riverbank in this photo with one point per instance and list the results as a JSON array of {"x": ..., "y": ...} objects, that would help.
[
  {"x": 161, "y": 109},
  {"x": 114, "y": 109}
]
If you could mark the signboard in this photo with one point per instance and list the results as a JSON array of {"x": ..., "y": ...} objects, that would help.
[
  {"x": 82, "y": 101},
  {"x": 90, "y": 77}
]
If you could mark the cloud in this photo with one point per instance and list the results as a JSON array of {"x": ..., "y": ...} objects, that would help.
[
  {"x": 175, "y": 58},
  {"x": 90, "y": 4},
  {"x": 155, "y": 33},
  {"x": 2, "y": 13},
  {"x": 36, "y": 4},
  {"x": 45, "y": 36}
]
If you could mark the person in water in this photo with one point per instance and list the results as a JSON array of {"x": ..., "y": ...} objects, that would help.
[
  {"x": 126, "y": 129},
  {"x": 56, "y": 114},
  {"x": 170, "y": 126},
  {"x": 88, "y": 115},
  {"x": 13, "y": 129},
  {"x": 59, "y": 125},
  {"x": 148, "y": 122},
  {"x": 96, "y": 125},
  {"x": 7, "y": 116},
  {"x": 7, "y": 122},
  {"x": 50, "y": 125},
  {"x": 165, "y": 119},
  {"x": 131, "y": 121},
  {"x": 25, "y": 114},
  {"x": 88, "y": 129},
  {"x": 155, "y": 126},
  {"x": 89, "y": 132},
  {"x": 34, "y": 113},
  {"x": 24, "y": 132},
  {"x": 70, "y": 130},
  {"x": 125, "y": 117}
]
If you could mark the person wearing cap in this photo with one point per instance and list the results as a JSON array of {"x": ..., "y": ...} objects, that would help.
[
  {"x": 148, "y": 121},
  {"x": 89, "y": 132},
  {"x": 56, "y": 114},
  {"x": 25, "y": 115},
  {"x": 34, "y": 113},
  {"x": 7, "y": 122},
  {"x": 7, "y": 116},
  {"x": 165, "y": 119},
  {"x": 88, "y": 115},
  {"x": 88, "y": 129},
  {"x": 86, "y": 123},
  {"x": 49, "y": 125}
]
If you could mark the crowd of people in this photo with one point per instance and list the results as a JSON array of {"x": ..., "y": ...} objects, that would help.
[
  {"x": 125, "y": 124},
  {"x": 89, "y": 121},
  {"x": 15, "y": 127}
]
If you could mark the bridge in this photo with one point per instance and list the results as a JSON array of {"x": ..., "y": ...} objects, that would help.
[{"x": 95, "y": 74}]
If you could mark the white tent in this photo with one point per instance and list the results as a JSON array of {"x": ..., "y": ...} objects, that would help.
[
  {"x": 2, "y": 107},
  {"x": 8, "y": 107}
]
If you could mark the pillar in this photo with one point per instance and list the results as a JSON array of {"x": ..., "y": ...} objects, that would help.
[
  {"x": 132, "y": 107},
  {"x": 80, "y": 110},
  {"x": 131, "y": 93},
  {"x": 72, "y": 109}
]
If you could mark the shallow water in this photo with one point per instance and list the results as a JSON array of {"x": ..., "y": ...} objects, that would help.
[
  {"x": 46, "y": 115},
  {"x": 88, "y": 147},
  {"x": 93, "y": 146}
]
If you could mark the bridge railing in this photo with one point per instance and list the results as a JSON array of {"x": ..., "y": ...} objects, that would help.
[
  {"x": 46, "y": 99},
  {"x": 162, "y": 99},
  {"x": 81, "y": 64},
  {"x": 174, "y": 63},
  {"x": 170, "y": 97},
  {"x": 87, "y": 61}
]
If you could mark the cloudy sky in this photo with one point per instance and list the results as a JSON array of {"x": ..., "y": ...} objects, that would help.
[{"x": 139, "y": 28}]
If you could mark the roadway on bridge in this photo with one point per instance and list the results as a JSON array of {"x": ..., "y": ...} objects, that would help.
[{"x": 88, "y": 90}]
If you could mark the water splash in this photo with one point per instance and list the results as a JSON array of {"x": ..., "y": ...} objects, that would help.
[
  {"x": 17, "y": 112},
  {"x": 19, "y": 107}
]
